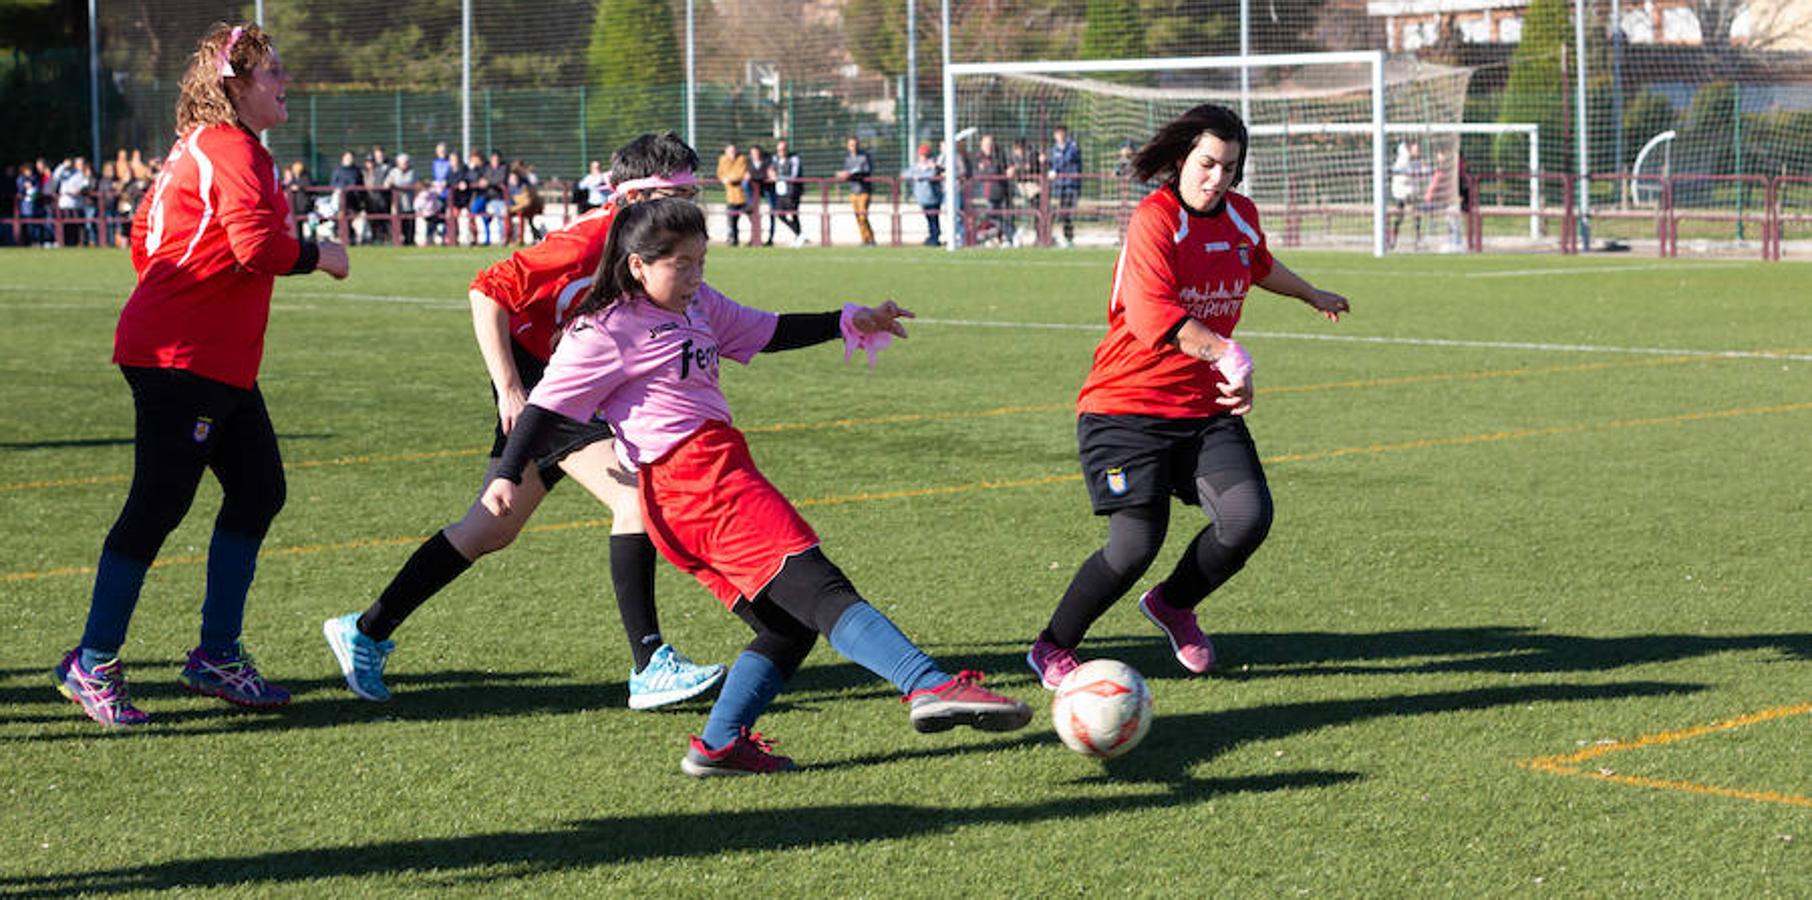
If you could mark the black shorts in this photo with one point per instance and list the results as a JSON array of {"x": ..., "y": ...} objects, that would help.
[
  {"x": 1130, "y": 461},
  {"x": 569, "y": 437},
  {"x": 787, "y": 202}
]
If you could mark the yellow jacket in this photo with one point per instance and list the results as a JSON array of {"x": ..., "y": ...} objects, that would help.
[{"x": 733, "y": 171}]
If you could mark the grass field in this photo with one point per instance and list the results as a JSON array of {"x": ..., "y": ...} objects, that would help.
[{"x": 1532, "y": 617}]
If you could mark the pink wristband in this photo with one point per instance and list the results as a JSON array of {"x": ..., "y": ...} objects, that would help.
[
  {"x": 1234, "y": 364},
  {"x": 872, "y": 342}
]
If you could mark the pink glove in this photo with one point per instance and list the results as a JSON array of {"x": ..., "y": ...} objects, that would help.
[{"x": 871, "y": 342}]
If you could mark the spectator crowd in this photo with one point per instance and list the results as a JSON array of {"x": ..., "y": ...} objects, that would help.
[{"x": 1011, "y": 193}]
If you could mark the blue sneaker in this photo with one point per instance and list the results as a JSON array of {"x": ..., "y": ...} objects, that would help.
[
  {"x": 669, "y": 678},
  {"x": 361, "y": 658},
  {"x": 232, "y": 678}
]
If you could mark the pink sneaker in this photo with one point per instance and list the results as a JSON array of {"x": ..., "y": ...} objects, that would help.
[
  {"x": 1051, "y": 662},
  {"x": 100, "y": 692},
  {"x": 963, "y": 701},
  {"x": 1186, "y": 638},
  {"x": 749, "y": 754}
]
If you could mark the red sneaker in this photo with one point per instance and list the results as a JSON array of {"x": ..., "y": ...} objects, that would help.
[
  {"x": 749, "y": 754},
  {"x": 1051, "y": 662},
  {"x": 1192, "y": 647},
  {"x": 963, "y": 701}
]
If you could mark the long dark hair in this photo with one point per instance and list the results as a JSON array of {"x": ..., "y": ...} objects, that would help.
[
  {"x": 1161, "y": 159},
  {"x": 650, "y": 230}
]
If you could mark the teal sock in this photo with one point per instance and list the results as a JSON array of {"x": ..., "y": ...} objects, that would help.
[{"x": 869, "y": 639}]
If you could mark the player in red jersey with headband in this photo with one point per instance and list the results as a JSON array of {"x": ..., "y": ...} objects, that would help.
[
  {"x": 1162, "y": 411},
  {"x": 207, "y": 244},
  {"x": 518, "y": 306}
]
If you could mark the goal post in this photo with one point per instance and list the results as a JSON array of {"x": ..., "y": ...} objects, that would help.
[{"x": 1371, "y": 117}]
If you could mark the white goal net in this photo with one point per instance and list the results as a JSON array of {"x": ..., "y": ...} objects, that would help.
[{"x": 1347, "y": 149}]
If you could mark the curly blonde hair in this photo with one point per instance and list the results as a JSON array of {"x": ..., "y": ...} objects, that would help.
[{"x": 204, "y": 99}]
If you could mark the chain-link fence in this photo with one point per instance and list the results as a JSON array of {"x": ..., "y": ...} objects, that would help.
[{"x": 1625, "y": 103}]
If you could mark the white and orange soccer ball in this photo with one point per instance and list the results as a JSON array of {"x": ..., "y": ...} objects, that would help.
[{"x": 1102, "y": 709}]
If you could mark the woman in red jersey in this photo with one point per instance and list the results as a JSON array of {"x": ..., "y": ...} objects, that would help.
[
  {"x": 1161, "y": 413},
  {"x": 211, "y": 236}
]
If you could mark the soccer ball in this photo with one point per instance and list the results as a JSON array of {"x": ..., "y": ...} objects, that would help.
[{"x": 1102, "y": 709}]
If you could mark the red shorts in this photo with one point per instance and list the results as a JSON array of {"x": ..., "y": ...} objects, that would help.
[{"x": 713, "y": 515}]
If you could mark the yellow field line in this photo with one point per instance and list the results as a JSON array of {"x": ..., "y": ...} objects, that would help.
[
  {"x": 906, "y": 418},
  {"x": 946, "y": 490},
  {"x": 1568, "y": 764}
]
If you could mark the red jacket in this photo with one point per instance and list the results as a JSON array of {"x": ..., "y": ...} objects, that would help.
[
  {"x": 209, "y": 240},
  {"x": 538, "y": 284}
]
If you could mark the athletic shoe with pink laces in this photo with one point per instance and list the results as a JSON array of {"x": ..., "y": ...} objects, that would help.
[
  {"x": 1186, "y": 638},
  {"x": 749, "y": 754},
  {"x": 963, "y": 701},
  {"x": 232, "y": 678},
  {"x": 101, "y": 691},
  {"x": 1051, "y": 662}
]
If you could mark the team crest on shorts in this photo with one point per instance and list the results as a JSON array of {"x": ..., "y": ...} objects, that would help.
[
  {"x": 1245, "y": 254},
  {"x": 1116, "y": 481},
  {"x": 204, "y": 426}
]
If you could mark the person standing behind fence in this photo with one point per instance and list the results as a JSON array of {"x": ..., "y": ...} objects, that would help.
[
  {"x": 994, "y": 183},
  {"x": 593, "y": 190},
  {"x": 761, "y": 184},
  {"x": 207, "y": 246},
  {"x": 733, "y": 174},
  {"x": 402, "y": 180},
  {"x": 1066, "y": 180},
  {"x": 858, "y": 168},
  {"x": 787, "y": 171},
  {"x": 927, "y": 192}
]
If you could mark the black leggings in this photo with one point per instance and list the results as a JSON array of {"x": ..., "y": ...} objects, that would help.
[
  {"x": 1236, "y": 499},
  {"x": 187, "y": 424},
  {"x": 805, "y": 600}
]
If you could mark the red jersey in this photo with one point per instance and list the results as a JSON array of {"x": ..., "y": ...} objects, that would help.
[
  {"x": 1177, "y": 264},
  {"x": 539, "y": 284},
  {"x": 208, "y": 241}
]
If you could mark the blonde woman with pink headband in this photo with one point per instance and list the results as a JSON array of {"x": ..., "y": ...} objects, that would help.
[
  {"x": 518, "y": 306},
  {"x": 208, "y": 242}
]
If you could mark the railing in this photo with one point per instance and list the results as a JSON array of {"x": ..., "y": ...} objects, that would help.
[
  {"x": 1539, "y": 214},
  {"x": 1028, "y": 208}
]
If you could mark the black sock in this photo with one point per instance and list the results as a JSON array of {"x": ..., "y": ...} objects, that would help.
[
  {"x": 632, "y": 576},
  {"x": 1092, "y": 591},
  {"x": 433, "y": 566}
]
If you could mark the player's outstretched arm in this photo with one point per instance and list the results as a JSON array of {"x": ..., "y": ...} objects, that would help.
[
  {"x": 884, "y": 318},
  {"x": 1283, "y": 281}
]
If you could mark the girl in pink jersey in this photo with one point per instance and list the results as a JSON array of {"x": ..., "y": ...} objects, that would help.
[
  {"x": 1162, "y": 411},
  {"x": 643, "y": 349},
  {"x": 209, "y": 240}
]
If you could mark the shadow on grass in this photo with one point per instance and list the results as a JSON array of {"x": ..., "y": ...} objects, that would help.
[
  {"x": 609, "y": 841},
  {"x": 1179, "y": 742},
  {"x": 326, "y": 703},
  {"x": 1501, "y": 649}
]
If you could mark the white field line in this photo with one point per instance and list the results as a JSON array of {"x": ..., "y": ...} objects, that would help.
[{"x": 1413, "y": 342}]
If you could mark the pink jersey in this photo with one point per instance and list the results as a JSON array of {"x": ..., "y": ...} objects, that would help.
[{"x": 651, "y": 372}]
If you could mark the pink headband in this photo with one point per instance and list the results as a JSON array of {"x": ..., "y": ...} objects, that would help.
[
  {"x": 676, "y": 180},
  {"x": 226, "y": 66}
]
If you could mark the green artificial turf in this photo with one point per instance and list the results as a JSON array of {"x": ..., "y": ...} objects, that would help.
[{"x": 1528, "y": 506}]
